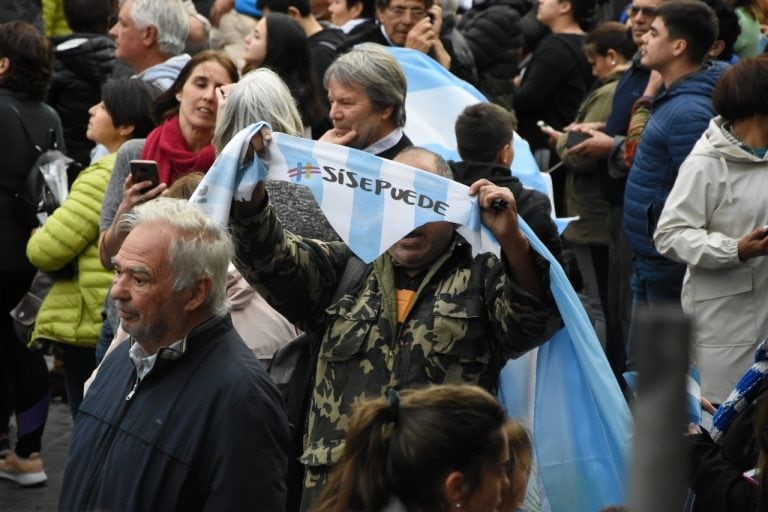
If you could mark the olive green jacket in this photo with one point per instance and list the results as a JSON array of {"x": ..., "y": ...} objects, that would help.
[{"x": 468, "y": 317}]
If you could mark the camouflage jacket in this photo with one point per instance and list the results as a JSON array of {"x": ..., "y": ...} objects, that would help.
[{"x": 468, "y": 317}]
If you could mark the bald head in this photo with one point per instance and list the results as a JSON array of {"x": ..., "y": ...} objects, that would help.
[{"x": 425, "y": 160}]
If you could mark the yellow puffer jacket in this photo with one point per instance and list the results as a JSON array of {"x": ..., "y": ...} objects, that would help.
[
  {"x": 54, "y": 19},
  {"x": 71, "y": 313}
]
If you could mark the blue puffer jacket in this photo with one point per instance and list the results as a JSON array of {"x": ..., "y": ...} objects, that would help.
[{"x": 679, "y": 117}]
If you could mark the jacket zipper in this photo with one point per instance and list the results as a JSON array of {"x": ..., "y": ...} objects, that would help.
[{"x": 133, "y": 390}]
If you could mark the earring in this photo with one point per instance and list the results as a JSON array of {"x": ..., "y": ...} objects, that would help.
[
  {"x": 458, "y": 505},
  {"x": 613, "y": 63}
]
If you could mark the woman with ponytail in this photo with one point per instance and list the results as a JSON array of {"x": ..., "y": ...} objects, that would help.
[{"x": 438, "y": 448}]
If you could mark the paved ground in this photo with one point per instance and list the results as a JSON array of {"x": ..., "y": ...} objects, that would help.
[{"x": 55, "y": 447}]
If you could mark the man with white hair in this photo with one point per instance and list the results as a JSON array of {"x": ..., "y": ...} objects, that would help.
[
  {"x": 181, "y": 416},
  {"x": 150, "y": 37}
]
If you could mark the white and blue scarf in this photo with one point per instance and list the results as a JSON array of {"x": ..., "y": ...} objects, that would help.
[{"x": 745, "y": 392}]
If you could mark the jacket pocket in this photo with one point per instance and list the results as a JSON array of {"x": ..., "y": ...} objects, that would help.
[
  {"x": 324, "y": 454},
  {"x": 350, "y": 328},
  {"x": 713, "y": 284},
  {"x": 459, "y": 330},
  {"x": 724, "y": 307}
]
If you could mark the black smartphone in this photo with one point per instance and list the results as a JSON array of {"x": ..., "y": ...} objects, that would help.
[
  {"x": 574, "y": 138},
  {"x": 144, "y": 170}
]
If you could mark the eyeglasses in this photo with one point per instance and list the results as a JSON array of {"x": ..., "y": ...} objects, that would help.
[
  {"x": 648, "y": 12},
  {"x": 399, "y": 11}
]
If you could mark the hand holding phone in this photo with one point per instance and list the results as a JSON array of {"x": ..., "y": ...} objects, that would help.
[
  {"x": 574, "y": 138},
  {"x": 144, "y": 170}
]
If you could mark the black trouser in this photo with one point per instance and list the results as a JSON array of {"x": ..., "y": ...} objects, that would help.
[
  {"x": 22, "y": 371},
  {"x": 79, "y": 363}
]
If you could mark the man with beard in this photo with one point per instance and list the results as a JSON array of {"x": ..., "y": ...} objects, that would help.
[{"x": 426, "y": 311}]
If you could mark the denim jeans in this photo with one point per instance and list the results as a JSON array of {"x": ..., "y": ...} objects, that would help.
[{"x": 656, "y": 284}]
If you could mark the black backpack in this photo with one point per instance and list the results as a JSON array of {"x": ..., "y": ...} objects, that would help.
[
  {"x": 293, "y": 370},
  {"x": 35, "y": 195}
]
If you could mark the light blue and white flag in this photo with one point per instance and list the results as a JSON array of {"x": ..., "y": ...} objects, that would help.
[
  {"x": 565, "y": 393},
  {"x": 355, "y": 190}
]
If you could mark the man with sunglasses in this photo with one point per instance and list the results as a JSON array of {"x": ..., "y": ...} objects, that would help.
[{"x": 415, "y": 24}]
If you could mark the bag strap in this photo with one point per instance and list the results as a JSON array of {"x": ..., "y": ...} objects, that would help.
[
  {"x": 351, "y": 277},
  {"x": 52, "y": 144},
  {"x": 26, "y": 131},
  {"x": 354, "y": 270},
  {"x": 353, "y": 273}
]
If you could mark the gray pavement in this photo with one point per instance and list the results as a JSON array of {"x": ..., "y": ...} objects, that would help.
[{"x": 54, "y": 453}]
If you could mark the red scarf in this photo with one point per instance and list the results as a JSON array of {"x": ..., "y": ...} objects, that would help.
[{"x": 166, "y": 146}]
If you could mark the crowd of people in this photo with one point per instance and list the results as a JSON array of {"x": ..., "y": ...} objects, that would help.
[{"x": 651, "y": 118}]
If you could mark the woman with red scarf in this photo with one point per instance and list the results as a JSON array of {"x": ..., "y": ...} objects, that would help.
[{"x": 181, "y": 143}]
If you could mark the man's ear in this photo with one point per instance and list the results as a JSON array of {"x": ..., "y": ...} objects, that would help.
[
  {"x": 454, "y": 489},
  {"x": 505, "y": 155},
  {"x": 356, "y": 10},
  {"x": 387, "y": 113},
  {"x": 294, "y": 13},
  {"x": 565, "y": 7},
  {"x": 679, "y": 46},
  {"x": 716, "y": 49},
  {"x": 149, "y": 36},
  {"x": 198, "y": 294}
]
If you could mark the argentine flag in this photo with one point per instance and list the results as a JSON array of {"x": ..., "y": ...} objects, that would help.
[{"x": 355, "y": 190}]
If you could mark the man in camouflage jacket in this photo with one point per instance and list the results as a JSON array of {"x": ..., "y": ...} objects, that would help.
[{"x": 463, "y": 317}]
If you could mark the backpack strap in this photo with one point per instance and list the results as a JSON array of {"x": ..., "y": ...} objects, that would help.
[
  {"x": 26, "y": 131},
  {"x": 351, "y": 277}
]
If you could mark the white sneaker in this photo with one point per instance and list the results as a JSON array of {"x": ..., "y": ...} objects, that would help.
[{"x": 25, "y": 472}]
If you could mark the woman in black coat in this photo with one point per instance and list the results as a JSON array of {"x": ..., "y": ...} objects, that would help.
[{"x": 25, "y": 121}]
